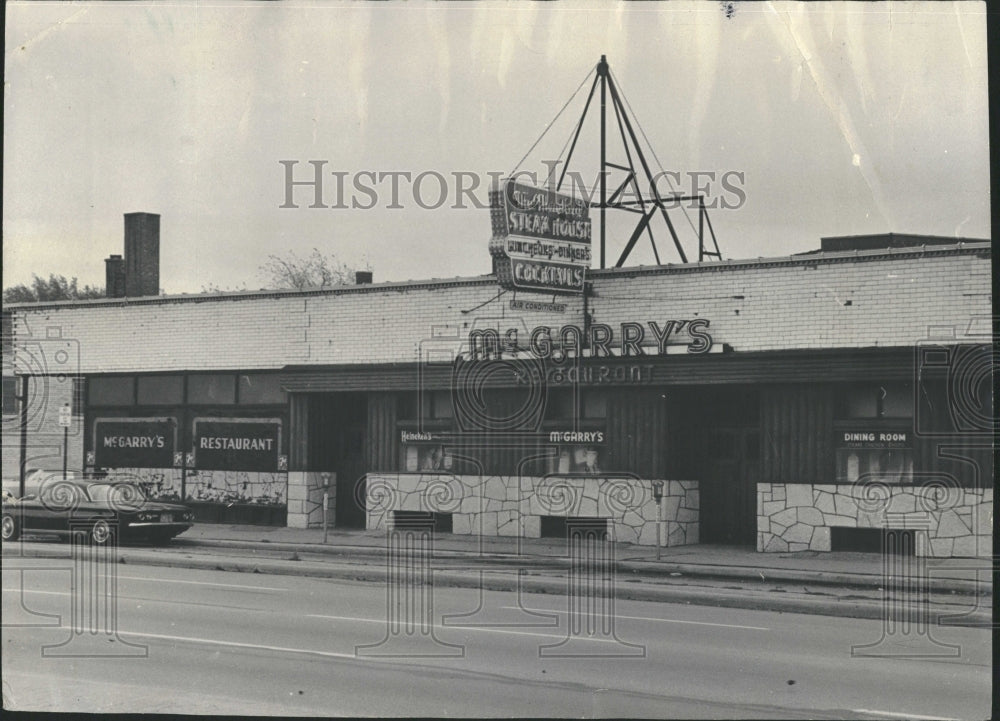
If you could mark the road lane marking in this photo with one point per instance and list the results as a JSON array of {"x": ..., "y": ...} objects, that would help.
[
  {"x": 202, "y": 583},
  {"x": 171, "y": 580},
  {"x": 238, "y": 644},
  {"x": 31, "y": 590},
  {"x": 644, "y": 618},
  {"x": 480, "y": 629},
  {"x": 121, "y": 597},
  {"x": 561, "y": 637},
  {"x": 895, "y": 714}
]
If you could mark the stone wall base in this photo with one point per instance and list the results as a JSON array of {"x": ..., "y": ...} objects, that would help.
[
  {"x": 958, "y": 522},
  {"x": 514, "y": 506},
  {"x": 305, "y": 498}
]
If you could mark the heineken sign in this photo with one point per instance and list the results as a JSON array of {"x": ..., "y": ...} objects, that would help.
[
  {"x": 237, "y": 444},
  {"x": 134, "y": 442},
  {"x": 541, "y": 238}
]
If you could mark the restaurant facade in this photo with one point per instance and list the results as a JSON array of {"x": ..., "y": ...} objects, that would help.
[{"x": 791, "y": 404}]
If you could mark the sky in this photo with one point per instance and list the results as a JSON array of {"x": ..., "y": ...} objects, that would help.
[{"x": 806, "y": 120}]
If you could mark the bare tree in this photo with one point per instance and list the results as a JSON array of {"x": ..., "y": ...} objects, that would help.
[{"x": 314, "y": 271}]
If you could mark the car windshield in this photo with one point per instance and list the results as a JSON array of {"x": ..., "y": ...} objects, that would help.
[{"x": 119, "y": 493}]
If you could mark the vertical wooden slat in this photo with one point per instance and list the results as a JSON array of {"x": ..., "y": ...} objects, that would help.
[
  {"x": 381, "y": 441},
  {"x": 767, "y": 434},
  {"x": 800, "y": 436},
  {"x": 298, "y": 431}
]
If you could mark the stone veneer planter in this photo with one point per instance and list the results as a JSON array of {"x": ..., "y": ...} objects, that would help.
[
  {"x": 798, "y": 516},
  {"x": 513, "y": 506},
  {"x": 305, "y": 498}
]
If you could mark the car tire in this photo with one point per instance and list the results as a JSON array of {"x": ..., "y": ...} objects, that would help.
[
  {"x": 10, "y": 530},
  {"x": 101, "y": 532}
]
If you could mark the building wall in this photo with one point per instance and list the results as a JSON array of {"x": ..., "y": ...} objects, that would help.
[
  {"x": 45, "y": 438},
  {"x": 820, "y": 301}
]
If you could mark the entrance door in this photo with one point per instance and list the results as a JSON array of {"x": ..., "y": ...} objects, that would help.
[
  {"x": 337, "y": 429},
  {"x": 729, "y": 486},
  {"x": 350, "y": 507}
]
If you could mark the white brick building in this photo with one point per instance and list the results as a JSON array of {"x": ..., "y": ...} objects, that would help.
[{"x": 813, "y": 364}]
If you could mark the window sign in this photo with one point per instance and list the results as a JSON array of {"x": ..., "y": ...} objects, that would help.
[
  {"x": 134, "y": 442},
  {"x": 424, "y": 451},
  {"x": 237, "y": 444},
  {"x": 873, "y": 438},
  {"x": 877, "y": 454},
  {"x": 577, "y": 452}
]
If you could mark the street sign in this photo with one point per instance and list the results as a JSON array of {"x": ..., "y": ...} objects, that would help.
[{"x": 65, "y": 416}]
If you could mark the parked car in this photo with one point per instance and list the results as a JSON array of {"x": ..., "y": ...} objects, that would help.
[{"x": 102, "y": 509}]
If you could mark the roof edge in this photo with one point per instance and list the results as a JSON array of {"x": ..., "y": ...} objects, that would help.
[{"x": 810, "y": 258}]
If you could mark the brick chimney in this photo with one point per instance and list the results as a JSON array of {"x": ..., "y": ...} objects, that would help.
[
  {"x": 362, "y": 277},
  {"x": 114, "y": 277},
  {"x": 142, "y": 254}
]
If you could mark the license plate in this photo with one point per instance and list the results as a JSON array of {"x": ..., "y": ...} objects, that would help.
[{"x": 166, "y": 518}]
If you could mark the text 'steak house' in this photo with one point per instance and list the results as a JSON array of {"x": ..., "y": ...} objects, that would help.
[{"x": 793, "y": 403}]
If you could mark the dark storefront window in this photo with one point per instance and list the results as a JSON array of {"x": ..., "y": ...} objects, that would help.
[
  {"x": 211, "y": 389},
  {"x": 261, "y": 389},
  {"x": 878, "y": 400},
  {"x": 9, "y": 395},
  {"x": 874, "y": 434},
  {"x": 112, "y": 391},
  {"x": 440, "y": 405},
  {"x": 79, "y": 395},
  {"x": 160, "y": 390},
  {"x": 426, "y": 457}
]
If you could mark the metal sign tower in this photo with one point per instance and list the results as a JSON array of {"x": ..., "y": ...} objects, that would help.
[{"x": 628, "y": 195}]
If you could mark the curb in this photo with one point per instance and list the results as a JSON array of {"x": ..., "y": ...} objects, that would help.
[
  {"x": 650, "y": 568},
  {"x": 626, "y": 590}
]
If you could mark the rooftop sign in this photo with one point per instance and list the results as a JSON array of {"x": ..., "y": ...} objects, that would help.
[{"x": 541, "y": 238}]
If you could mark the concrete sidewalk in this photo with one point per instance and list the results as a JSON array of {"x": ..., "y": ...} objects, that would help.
[
  {"x": 863, "y": 570},
  {"x": 852, "y": 585}
]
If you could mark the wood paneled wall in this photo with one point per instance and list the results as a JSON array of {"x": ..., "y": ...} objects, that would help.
[{"x": 796, "y": 424}]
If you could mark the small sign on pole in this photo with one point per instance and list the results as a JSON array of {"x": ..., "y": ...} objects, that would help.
[{"x": 65, "y": 421}]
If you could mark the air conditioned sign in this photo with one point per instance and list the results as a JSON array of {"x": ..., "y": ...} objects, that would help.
[
  {"x": 541, "y": 239},
  {"x": 236, "y": 444},
  {"x": 134, "y": 442}
]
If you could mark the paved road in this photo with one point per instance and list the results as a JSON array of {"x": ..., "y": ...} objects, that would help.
[{"x": 216, "y": 642}]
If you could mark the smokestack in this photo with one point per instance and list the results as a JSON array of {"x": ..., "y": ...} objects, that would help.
[
  {"x": 362, "y": 277},
  {"x": 114, "y": 277},
  {"x": 142, "y": 254}
]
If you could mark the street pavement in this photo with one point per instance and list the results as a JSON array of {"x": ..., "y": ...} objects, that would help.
[
  {"x": 184, "y": 640},
  {"x": 836, "y": 584}
]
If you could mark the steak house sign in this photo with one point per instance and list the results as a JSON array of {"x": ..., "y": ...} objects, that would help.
[{"x": 541, "y": 239}]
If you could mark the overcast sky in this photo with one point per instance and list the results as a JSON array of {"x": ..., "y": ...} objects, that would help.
[{"x": 832, "y": 119}]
